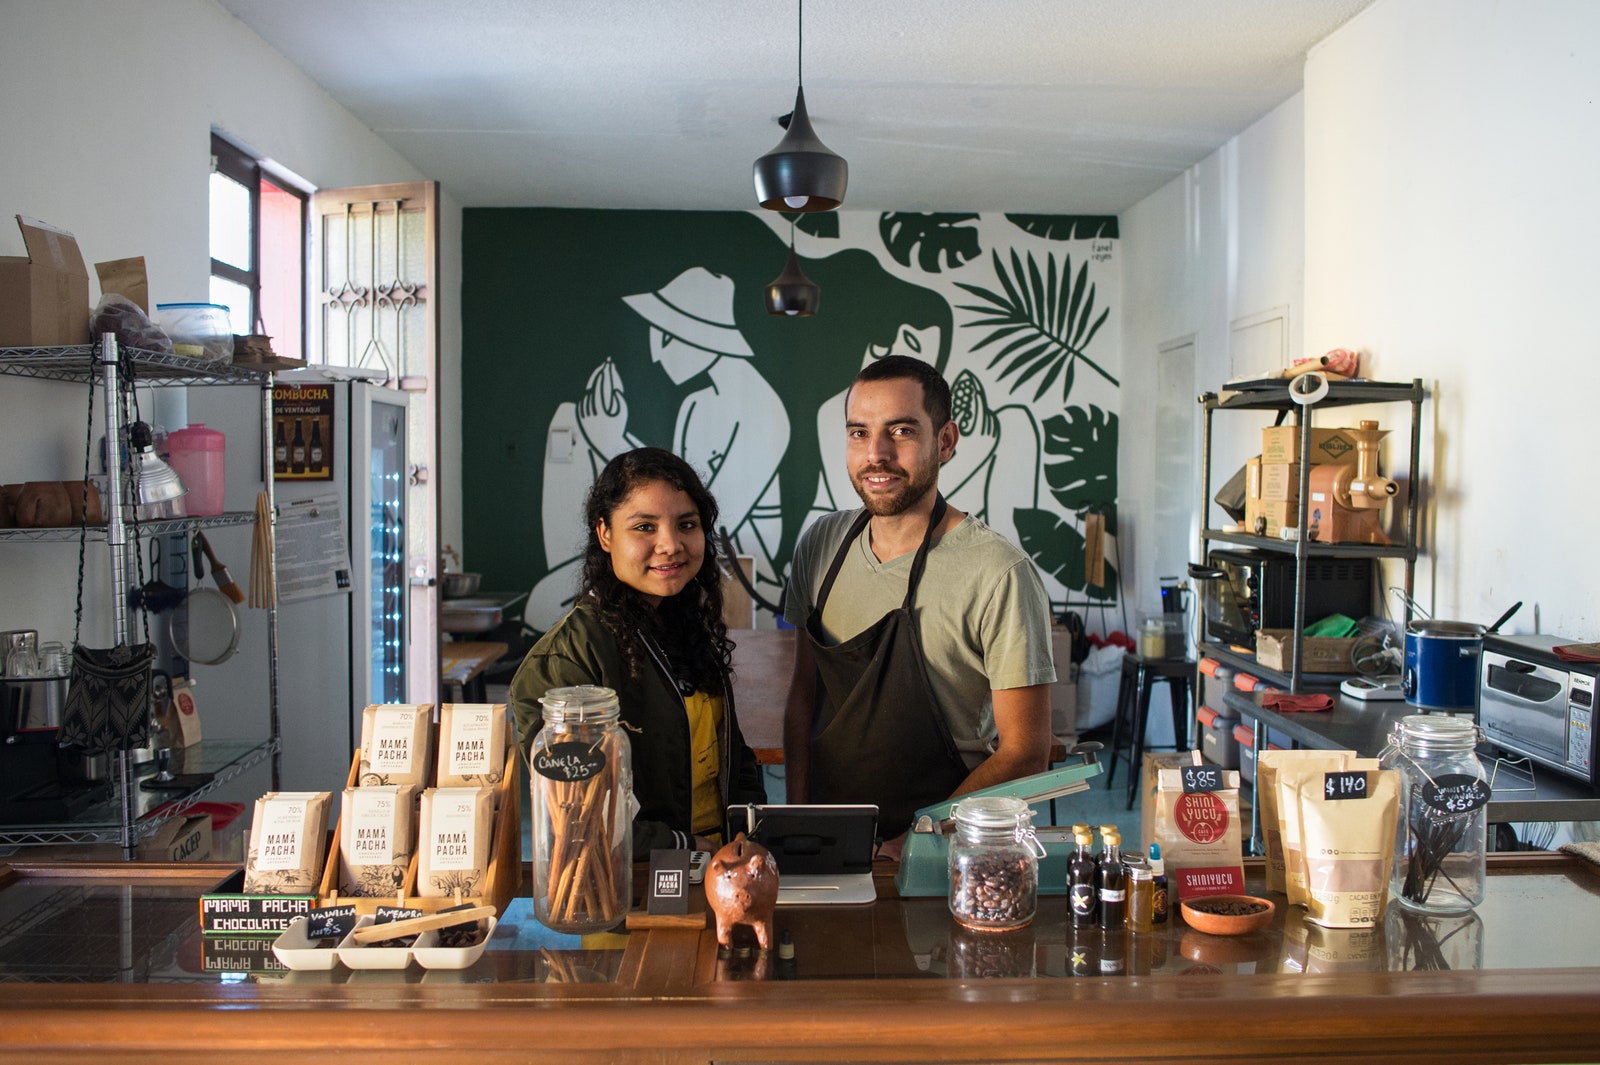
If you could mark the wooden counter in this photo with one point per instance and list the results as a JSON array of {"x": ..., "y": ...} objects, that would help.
[{"x": 894, "y": 981}]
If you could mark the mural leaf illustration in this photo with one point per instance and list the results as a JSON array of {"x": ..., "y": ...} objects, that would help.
[
  {"x": 940, "y": 240},
  {"x": 1067, "y": 226},
  {"x": 1057, "y": 549},
  {"x": 1080, "y": 464},
  {"x": 824, "y": 224},
  {"x": 1047, "y": 317}
]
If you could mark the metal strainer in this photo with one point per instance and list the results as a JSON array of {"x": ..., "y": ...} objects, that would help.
[{"x": 206, "y": 630}]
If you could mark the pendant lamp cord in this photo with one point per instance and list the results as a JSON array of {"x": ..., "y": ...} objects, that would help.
[{"x": 800, "y": 48}]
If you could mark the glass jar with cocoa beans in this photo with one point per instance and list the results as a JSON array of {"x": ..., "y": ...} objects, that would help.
[{"x": 994, "y": 863}]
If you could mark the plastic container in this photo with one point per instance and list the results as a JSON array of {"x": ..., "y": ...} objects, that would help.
[
  {"x": 994, "y": 864},
  {"x": 197, "y": 455},
  {"x": 582, "y": 784},
  {"x": 198, "y": 330},
  {"x": 1442, "y": 834}
]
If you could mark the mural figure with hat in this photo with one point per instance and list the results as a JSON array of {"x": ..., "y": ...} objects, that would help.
[{"x": 734, "y": 430}]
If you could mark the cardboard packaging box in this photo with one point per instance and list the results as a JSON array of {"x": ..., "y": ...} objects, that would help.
[
  {"x": 44, "y": 295},
  {"x": 1318, "y": 654},
  {"x": 1280, "y": 482},
  {"x": 1281, "y": 444},
  {"x": 1277, "y": 514}
]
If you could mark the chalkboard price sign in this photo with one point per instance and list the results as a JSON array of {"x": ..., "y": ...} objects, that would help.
[
  {"x": 330, "y": 922},
  {"x": 1456, "y": 793},
  {"x": 1201, "y": 778},
  {"x": 571, "y": 760},
  {"x": 1344, "y": 785}
]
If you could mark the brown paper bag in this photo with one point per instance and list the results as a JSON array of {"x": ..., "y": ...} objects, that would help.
[
  {"x": 1199, "y": 833},
  {"x": 1289, "y": 775},
  {"x": 125, "y": 277},
  {"x": 1348, "y": 846},
  {"x": 1267, "y": 763}
]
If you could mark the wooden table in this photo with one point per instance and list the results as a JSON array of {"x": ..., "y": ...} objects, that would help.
[
  {"x": 461, "y": 665},
  {"x": 763, "y": 663},
  {"x": 894, "y": 981}
]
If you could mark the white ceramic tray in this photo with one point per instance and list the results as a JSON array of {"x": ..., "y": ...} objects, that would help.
[
  {"x": 433, "y": 956},
  {"x": 294, "y": 949},
  {"x": 379, "y": 956}
]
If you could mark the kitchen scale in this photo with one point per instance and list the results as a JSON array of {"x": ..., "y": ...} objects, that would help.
[{"x": 925, "y": 858}]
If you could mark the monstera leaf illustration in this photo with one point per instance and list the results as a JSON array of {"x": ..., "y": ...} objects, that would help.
[
  {"x": 1046, "y": 319},
  {"x": 940, "y": 236},
  {"x": 1057, "y": 549},
  {"x": 823, "y": 224},
  {"x": 1080, "y": 464},
  {"x": 1066, "y": 226}
]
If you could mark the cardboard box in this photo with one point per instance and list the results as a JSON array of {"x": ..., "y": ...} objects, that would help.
[
  {"x": 44, "y": 295},
  {"x": 1064, "y": 692},
  {"x": 1281, "y": 444},
  {"x": 1270, "y": 515},
  {"x": 1318, "y": 654},
  {"x": 1280, "y": 481}
]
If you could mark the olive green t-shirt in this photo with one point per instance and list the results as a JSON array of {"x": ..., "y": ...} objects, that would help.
[{"x": 981, "y": 612}]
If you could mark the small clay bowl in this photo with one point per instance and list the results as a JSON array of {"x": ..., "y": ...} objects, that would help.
[{"x": 1227, "y": 915}]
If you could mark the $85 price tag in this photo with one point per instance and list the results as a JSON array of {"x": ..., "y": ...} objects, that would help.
[{"x": 1201, "y": 778}]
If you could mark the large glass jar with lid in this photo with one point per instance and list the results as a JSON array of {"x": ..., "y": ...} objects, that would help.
[
  {"x": 582, "y": 791},
  {"x": 1442, "y": 831},
  {"x": 994, "y": 863}
]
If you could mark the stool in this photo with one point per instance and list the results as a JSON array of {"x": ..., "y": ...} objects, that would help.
[{"x": 1139, "y": 677}]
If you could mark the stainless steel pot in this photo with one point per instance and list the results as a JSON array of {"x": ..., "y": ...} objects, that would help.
[
  {"x": 461, "y": 585},
  {"x": 33, "y": 704}
]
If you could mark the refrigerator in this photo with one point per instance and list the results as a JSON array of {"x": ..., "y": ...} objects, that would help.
[{"x": 344, "y": 618}]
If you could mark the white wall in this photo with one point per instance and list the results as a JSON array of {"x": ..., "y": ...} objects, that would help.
[
  {"x": 1222, "y": 242},
  {"x": 109, "y": 107},
  {"x": 1452, "y": 230}
]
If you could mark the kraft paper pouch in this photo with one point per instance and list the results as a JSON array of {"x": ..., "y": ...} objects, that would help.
[
  {"x": 472, "y": 744},
  {"x": 1348, "y": 845},
  {"x": 1267, "y": 763},
  {"x": 1289, "y": 774},
  {"x": 377, "y": 834},
  {"x": 396, "y": 744},
  {"x": 453, "y": 841},
  {"x": 1199, "y": 834},
  {"x": 287, "y": 832},
  {"x": 125, "y": 277}
]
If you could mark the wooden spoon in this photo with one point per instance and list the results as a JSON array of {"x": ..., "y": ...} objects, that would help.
[{"x": 377, "y": 933}]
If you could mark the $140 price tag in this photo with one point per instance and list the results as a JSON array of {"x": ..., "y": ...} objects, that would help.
[{"x": 1351, "y": 784}]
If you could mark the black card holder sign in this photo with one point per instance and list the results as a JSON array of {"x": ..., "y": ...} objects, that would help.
[
  {"x": 108, "y": 698},
  {"x": 669, "y": 882},
  {"x": 330, "y": 923},
  {"x": 1202, "y": 778},
  {"x": 1456, "y": 793},
  {"x": 1345, "y": 784},
  {"x": 385, "y": 914}
]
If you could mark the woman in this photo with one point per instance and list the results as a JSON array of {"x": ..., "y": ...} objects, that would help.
[{"x": 648, "y": 623}]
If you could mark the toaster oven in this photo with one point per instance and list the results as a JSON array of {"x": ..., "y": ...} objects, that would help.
[
  {"x": 1244, "y": 590},
  {"x": 1534, "y": 704}
]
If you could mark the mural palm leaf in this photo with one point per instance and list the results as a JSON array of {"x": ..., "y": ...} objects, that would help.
[{"x": 1046, "y": 317}]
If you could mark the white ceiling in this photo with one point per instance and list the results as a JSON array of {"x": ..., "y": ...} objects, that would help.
[{"x": 1051, "y": 106}]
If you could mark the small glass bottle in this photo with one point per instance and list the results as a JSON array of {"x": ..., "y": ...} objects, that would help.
[
  {"x": 1083, "y": 888},
  {"x": 1442, "y": 832},
  {"x": 1113, "y": 881},
  {"x": 582, "y": 785},
  {"x": 1141, "y": 897},
  {"x": 1158, "y": 877},
  {"x": 994, "y": 863}
]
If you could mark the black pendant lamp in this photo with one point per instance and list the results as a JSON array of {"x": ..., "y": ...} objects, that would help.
[
  {"x": 800, "y": 174},
  {"x": 792, "y": 293}
]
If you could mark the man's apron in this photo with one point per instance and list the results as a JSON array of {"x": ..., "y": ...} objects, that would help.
[{"x": 879, "y": 736}]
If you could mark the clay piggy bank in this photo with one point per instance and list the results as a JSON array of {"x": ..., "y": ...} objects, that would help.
[{"x": 742, "y": 888}]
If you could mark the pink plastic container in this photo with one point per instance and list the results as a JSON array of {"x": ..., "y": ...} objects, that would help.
[{"x": 197, "y": 456}]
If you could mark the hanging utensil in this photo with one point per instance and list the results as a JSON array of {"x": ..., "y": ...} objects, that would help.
[
  {"x": 1506, "y": 616},
  {"x": 206, "y": 631}
]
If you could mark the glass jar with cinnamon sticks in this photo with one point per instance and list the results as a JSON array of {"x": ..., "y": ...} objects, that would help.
[{"x": 582, "y": 784}]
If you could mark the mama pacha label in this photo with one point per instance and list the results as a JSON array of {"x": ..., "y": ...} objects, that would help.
[
  {"x": 571, "y": 760},
  {"x": 1456, "y": 793}
]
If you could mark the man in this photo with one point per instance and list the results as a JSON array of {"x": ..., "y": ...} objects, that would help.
[{"x": 922, "y": 668}]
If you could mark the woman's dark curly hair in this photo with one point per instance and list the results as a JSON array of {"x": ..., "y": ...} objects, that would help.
[{"x": 687, "y": 626}]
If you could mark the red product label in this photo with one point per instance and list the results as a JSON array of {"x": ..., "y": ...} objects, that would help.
[
  {"x": 1201, "y": 816},
  {"x": 1212, "y": 880}
]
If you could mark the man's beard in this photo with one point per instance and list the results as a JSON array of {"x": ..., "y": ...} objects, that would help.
[{"x": 913, "y": 488}]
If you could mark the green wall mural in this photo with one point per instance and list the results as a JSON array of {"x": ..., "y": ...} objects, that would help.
[{"x": 586, "y": 332}]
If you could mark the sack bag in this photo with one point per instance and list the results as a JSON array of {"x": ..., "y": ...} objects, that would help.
[{"x": 108, "y": 698}]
